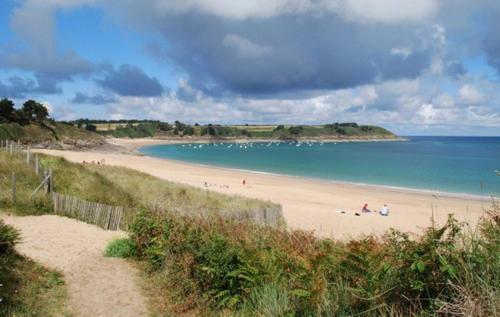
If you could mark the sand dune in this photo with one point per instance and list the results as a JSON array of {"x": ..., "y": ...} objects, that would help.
[{"x": 308, "y": 204}]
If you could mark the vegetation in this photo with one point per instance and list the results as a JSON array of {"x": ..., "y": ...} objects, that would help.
[
  {"x": 26, "y": 288},
  {"x": 243, "y": 269},
  {"x": 148, "y": 128},
  {"x": 120, "y": 248},
  {"x": 31, "y": 124}
]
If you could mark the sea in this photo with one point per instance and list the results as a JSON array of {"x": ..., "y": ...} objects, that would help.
[{"x": 457, "y": 165}]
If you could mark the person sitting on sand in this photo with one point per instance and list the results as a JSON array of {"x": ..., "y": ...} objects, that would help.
[
  {"x": 384, "y": 211},
  {"x": 365, "y": 208}
]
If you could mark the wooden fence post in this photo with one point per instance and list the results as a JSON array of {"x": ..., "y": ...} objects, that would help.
[
  {"x": 37, "y": 167},
  {"x": 28, "y": 155},
  {"x": 13, "y": 187},
  {"x": 51, "y": 181}
]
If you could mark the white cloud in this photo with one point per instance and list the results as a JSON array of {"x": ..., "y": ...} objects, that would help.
[
  {"x": 388, "y": 11},
  {"x": 404, "y": 52},
  {"x": 470, "y": 94}
]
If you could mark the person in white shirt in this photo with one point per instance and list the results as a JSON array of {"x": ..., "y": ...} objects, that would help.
[{"x": 384, "y": 211}]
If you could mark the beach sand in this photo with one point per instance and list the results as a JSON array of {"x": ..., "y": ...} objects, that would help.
[{"x": 307, "y": 204}]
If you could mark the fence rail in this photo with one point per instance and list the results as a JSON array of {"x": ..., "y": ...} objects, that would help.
[{"x": 104, "y": 216}]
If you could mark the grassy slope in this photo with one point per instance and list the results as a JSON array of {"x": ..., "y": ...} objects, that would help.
[
  {"x": 52, "y": 131},
  {"x": 28, "y": 289},
  {"x": 114, "y": 186}
]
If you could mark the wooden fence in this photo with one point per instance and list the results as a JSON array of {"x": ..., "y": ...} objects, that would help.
[
  {"x": 272, "y": 216},
  {"x": 105, "y": 216}
]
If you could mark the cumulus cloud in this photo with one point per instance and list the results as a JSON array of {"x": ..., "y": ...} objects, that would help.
[
  {"x": 284, "y": 53},
  {"x": 470, "y": 94},
  {"x": 130, "y": 80}
]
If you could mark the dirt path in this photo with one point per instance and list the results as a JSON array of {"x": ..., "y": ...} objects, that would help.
[{"x": 97, "y": 285}]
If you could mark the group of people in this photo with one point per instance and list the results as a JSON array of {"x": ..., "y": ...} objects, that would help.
[
  {"x": 100, "y": 162},
  {"x": 384, "y": 211}
]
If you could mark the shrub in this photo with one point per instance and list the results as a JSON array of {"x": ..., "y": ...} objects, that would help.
[
  {"x": 9, "y": 236},
  {"x": 120, "y": 248},
  {"x": 262, "y": 271}
]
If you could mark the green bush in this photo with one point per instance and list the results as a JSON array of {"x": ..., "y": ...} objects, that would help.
[
  {"x": 120, "y": 248},
  {"x": 253, "y": 270},
  {"x": 9, "y": 236}
]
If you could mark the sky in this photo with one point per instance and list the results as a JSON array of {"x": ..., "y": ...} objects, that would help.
[{"x": 427, "y": 67}]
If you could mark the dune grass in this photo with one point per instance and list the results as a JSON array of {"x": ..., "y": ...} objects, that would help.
[{"x": 116, "y": 186}]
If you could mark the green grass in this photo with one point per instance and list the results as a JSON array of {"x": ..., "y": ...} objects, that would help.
[
  {"x": 49, "y": 132},
  {"x": 26, "y": 182},
  {"x": 26, "y": 288},
  {"x": 120, "y": 248}
]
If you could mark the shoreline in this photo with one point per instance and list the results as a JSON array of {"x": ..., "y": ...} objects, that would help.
[
  {"x": 410, "y": 190},
  {"x": 401, "y": 189},
  {"x": 308, "y": 204}
]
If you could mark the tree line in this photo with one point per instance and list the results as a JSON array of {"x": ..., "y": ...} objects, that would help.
[{"x": 31, "y": 111}]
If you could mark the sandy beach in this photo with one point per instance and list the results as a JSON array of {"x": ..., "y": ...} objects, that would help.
[{"x": 307, "y": 204}]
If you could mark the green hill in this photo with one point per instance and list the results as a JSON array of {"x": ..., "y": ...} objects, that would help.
[
  {"x": 49, "y": 131},
  {"x": 148, "y": 128},
  {"x": 31, "y": 124}
]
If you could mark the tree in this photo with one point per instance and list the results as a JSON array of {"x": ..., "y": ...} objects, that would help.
[
  {"x": 91, "y": 127},
  {"x": 34, "y": 111},
  {"x": 7, "y": 111},
  {"x": 295, "y": 130}
]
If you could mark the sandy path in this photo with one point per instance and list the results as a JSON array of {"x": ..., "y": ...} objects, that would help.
[
  {"x": 308, "y": 204},
  {"x": 97, "y": 286}
]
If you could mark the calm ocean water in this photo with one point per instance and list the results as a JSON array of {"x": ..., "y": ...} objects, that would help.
[{"x": 449, "y": 164}]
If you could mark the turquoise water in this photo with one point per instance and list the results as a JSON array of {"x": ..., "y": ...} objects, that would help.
[{"x": 449, "y": 164}]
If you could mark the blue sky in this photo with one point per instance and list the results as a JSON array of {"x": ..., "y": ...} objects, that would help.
[{"x": 427, "y": 68}]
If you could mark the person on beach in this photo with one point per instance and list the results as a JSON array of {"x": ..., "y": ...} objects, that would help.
[
  {"x": 244, "y": 182},
  {"x": 384, "y": 211},
  {"x": 365, "y": 208}
]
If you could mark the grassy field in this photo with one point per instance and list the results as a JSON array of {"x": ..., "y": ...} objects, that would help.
[
  {"x": 111, "y": 126},
  {"x": 26, "y": 288}
]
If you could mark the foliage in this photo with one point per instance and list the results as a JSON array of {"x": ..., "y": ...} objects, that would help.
[
  {"x": 7, "y": 110},
  {"x": 251, "y": 270},
  {"x": 120, "y": 248},
  {"x": 34, "y": 111},
  {"x": 9, "y": 236}
]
